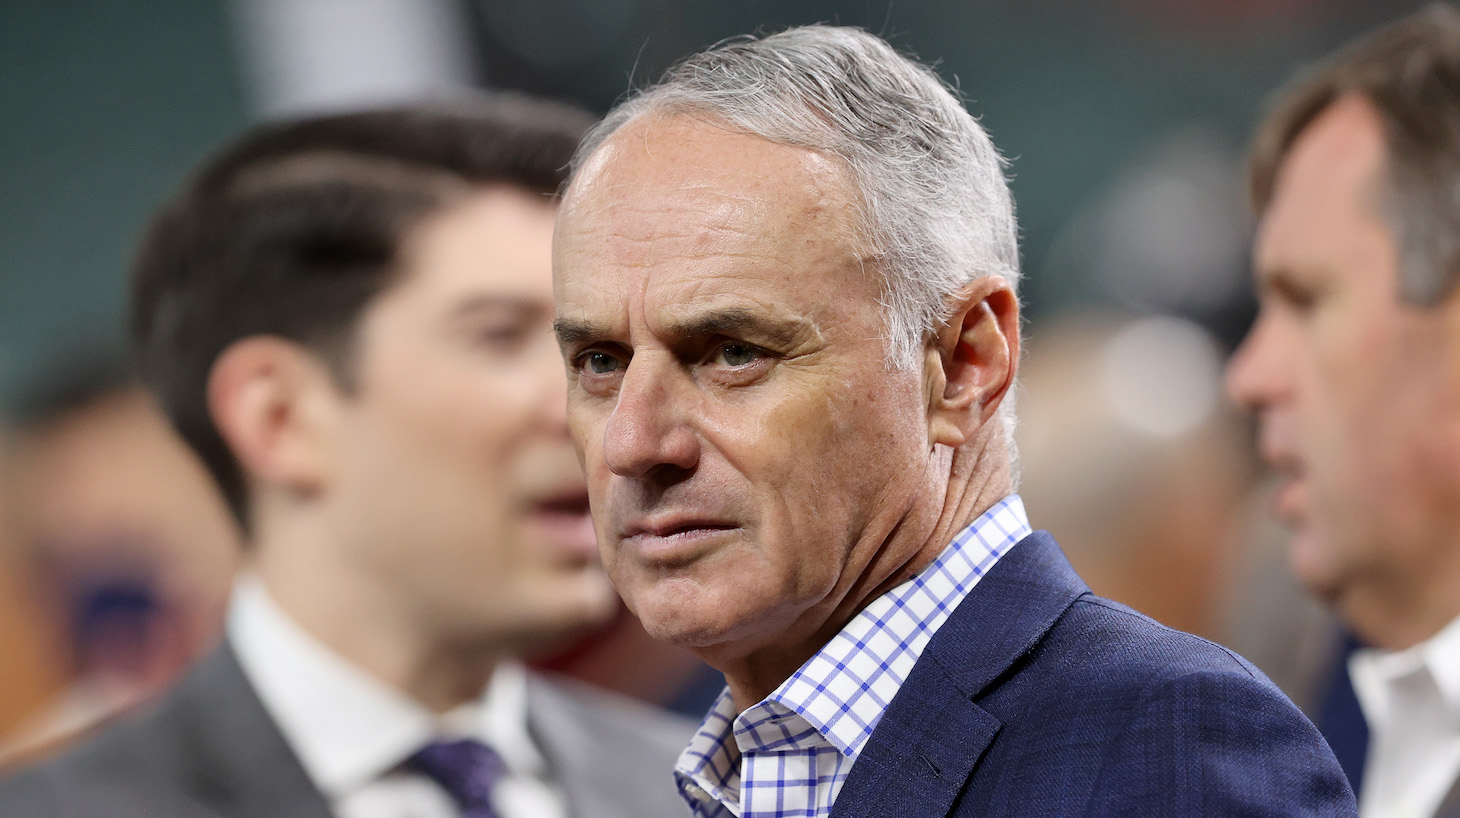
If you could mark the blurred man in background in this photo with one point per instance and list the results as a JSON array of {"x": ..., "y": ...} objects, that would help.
[
  {"x": 348, "y": 319},
  {"x": 1353, "y": 369}
]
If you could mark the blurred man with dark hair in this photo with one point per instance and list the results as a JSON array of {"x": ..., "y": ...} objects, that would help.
[
  {"x": 1353, "y": 369},
  {"x": 348, "y": 318}
]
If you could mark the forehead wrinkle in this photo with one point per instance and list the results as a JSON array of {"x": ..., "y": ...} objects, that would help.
[
  {"x": 643, "y": 213},
  {"x": 691, "y": 312},
  {"x": 787, "y": 329},
  {"x": 703, "y": 230}
]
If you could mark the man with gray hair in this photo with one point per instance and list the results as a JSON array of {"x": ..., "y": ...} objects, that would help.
[
  {"x": 785, "y": 293},
  {"x": 1352, "y": 371}
]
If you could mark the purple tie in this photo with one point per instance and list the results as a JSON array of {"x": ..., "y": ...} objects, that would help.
[{"x": 467, "y": 769}]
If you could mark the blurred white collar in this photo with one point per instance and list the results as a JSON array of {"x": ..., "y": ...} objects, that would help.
[
  {"x": 347, "y": 727},
  {"x": 1439, "y": 655},
  {"x": 1411, "y": 701}
]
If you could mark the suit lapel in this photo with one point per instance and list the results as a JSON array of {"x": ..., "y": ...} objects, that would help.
[
  {"x": 570, "y": 754},
  {"x": 238, "y": 761},
  {"x": 613, "y": 758},
  {"x": 919, "y": 757},
  {"x": 933, "y": 733}
]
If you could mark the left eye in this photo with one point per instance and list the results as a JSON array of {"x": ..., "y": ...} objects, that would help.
[
  {"x": 502, "y": 335},
  {"x": 736, "y": 354}
]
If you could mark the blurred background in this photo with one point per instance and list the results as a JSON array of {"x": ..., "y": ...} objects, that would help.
[{"x": 1126, "y": 122}]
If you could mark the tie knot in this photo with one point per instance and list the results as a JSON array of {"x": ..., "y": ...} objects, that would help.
[{"x": 466, "y": 769}]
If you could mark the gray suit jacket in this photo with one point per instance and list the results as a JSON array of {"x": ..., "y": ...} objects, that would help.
[{"x": 210, "y": 750}]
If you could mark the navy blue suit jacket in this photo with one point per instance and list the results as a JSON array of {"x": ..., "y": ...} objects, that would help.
[{"x": 1038, "y": 698}]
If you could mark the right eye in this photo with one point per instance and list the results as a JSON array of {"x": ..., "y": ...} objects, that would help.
[{"x": 597, "y": 362}]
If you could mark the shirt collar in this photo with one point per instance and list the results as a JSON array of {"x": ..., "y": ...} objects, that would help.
[
  {"x": 878, "y": 648},
  {"x": 1374, "y": 671},
  {"x": 839, "y": 695},
  {"x": 1442, "y": 654},
  {"x": 347, "y": 727}
]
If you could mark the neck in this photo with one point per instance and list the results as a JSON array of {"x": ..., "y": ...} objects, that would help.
[
  {"x": 361, "y": 618},
  {"x": 1405, "y": 614},
  {"x": 962, "y": 485}
]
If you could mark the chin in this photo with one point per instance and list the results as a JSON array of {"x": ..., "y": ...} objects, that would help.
[
  {"x": 676, "y": 630},
  {"x": 544, "y": 634},
  {"x": 683, "y": 627},
  {"x": 707, "y": 633},
  {"x": 1311, "y": 564}
]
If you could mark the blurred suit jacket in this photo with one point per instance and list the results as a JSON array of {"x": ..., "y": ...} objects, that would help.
[
  {"x": 210, "y": 750},
  {"x": 1037, "y": 698}
]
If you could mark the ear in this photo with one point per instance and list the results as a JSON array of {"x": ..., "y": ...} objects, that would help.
[
  {"x": 970, "y": 364},
  {"x": 272, "y": 401}
]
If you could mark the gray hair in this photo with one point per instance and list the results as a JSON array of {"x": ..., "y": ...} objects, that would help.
[{"x": 935, "y": 203}]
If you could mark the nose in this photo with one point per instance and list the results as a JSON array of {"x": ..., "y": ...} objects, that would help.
[
  {"x": 1258, "y": 374},
  {"x": 646, "y": 436}
]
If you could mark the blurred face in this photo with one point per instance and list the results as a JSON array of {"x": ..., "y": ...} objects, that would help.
[
  {"x": 456, "y": 486},
  {"x": 1357, "y": 393},
  {"x": 748, "y": 453}
]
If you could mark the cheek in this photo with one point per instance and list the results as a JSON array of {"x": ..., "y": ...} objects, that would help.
[
  {"x": 585, "y": 429},
  {"x": 822, "y": 465},
  {"x": 1342, "y": 385},
  {"x": 450, "y": 454}
]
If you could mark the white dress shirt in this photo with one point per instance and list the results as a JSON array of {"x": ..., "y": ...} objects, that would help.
[
  {"x": 1411, "y": 701},
  {"x": 788, "y": 755},
  {"x": 351, "y": 732}
]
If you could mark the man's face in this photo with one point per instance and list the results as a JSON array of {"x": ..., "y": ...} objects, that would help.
[
  {"x": 456, "y": 483},
  {"x": 748, "y": 452},
  {"x": 1355, "y": 390}
]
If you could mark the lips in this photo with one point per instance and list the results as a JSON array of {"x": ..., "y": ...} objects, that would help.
[
  {"x": 563, "y": 517},
  {"x": 675, "y": 537},
  {"x": 1290, "y": 501},
  {"x": 1278, "y": 449},
  {"x": 574, "y": 502},
  {"x": 670, "y": 525}
]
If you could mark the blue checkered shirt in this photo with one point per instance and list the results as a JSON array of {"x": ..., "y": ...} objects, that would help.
[{"x": 788, "y": 755}]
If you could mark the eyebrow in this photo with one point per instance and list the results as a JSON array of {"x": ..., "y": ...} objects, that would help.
[
  {"x": 732, "y": 321},
  {"x": 736, "y": 321},
  {"x": 572, "y": 333},
  {"x": 482, "y": 302}
]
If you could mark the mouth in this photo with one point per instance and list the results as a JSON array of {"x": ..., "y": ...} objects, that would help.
[
  {"x": 1290, "y": 498},
  {"x": 675, "y": 538},
  {"x": 568, "y": 504},
  {"x": 564, "y": 518}
]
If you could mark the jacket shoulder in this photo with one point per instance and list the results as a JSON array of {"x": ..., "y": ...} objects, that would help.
[
  {"x": 1140, "y": 649},
  {"x": 126, "y": 770},
  {"x": 1138, "y": 718},
  {"x": 609, "y": 718},
  {"x": 613, "y": 756}
]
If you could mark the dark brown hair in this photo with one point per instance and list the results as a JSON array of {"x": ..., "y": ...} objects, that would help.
[
  {"x": 1410, "y": 71},
  {"x": 294, "y": 229}
]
